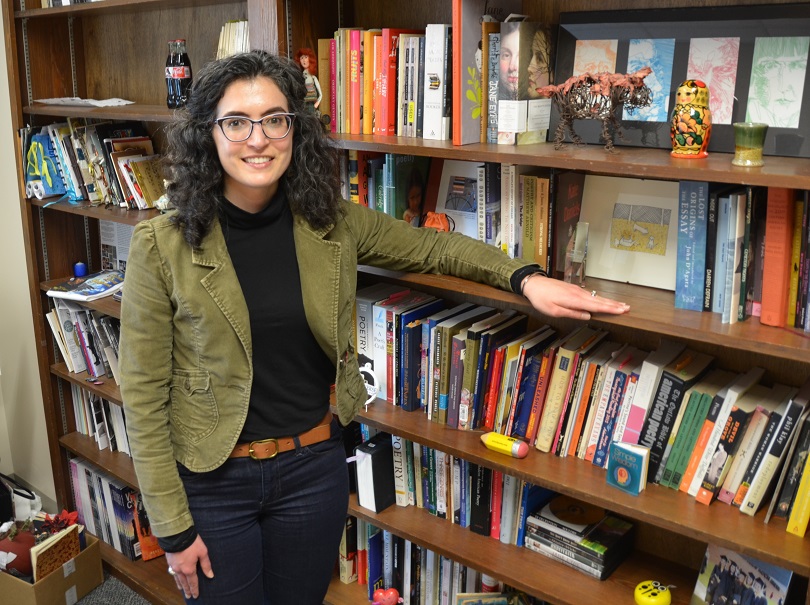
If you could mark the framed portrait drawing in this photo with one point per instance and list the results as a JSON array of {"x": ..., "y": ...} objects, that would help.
[
  {"x": 632, "y": 230},
  {"x": 752, "y": 58}
]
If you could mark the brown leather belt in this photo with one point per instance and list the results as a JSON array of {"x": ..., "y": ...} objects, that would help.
[{"x": 269, "y": 448}]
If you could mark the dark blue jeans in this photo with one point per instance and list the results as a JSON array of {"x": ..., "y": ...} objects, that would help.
[{"x": 272, "y": 527}]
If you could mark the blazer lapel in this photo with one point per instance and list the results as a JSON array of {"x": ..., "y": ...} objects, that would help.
[
  {"x": 222, "y": 284},
  {"x": 319, "y": 268}
]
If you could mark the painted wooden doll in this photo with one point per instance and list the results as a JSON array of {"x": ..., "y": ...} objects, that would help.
[{"x": 691, "y": 120}]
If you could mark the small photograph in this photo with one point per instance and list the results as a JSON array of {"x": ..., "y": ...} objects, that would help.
[{"x": 730, "y": 578}]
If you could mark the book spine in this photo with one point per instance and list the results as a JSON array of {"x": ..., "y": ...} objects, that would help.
[
  {"x": 658, "y": 425},
  {"x": 608, "y": 423},
  {"x": 721, "y": 259},
  {"x": 774, "y": 421},
  {"x": 711, "y": 249},
  {"x": 333, "y": 86},
  {"x": 800, "y": 512},
  {"x": 420, "y": 89},
  {"x": 494, "y": 46},
  {"x": 746, "y": 274},
  {"x": 400, "y": 480},
  {"x": 691, "y": 214},
  {"x": 776, "y": 270}
]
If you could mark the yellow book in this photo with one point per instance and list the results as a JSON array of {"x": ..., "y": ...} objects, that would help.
[
  {"x": 800, "y": 513},
  {"x": 795, "y": 261}
]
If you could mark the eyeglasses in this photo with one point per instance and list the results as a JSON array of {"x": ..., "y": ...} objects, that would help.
[{"x": 239, "y": 128}]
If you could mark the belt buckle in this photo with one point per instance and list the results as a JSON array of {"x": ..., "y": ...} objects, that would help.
[{"x": 253, "y": 453}]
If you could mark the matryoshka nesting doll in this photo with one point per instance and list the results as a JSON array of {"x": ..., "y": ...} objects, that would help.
[{"x": 691, "y": 120}]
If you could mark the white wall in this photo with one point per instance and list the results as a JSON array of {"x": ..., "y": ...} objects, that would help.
[{"x": 23, "y": 439}]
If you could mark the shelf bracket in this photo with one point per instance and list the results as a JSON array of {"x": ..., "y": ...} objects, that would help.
[
  {"x": 288, "y": 12},
  {"x": 27, "y": 59},
  {"x": 90, "y": 267},
  {"x": 62, "y": 406},
  {"x": 72, "y": 57},
  {"x": 42, "y": 236}
]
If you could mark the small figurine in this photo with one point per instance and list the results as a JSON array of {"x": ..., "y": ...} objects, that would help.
[
  {"x": 691, "y": 120},
  {"x": 596, "y": 97},
  {"x": 386, "y": 597},
  {"x": 305, "y": 57}
]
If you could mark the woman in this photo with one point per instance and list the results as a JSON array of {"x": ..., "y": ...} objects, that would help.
[{"x": 238, "y": 318}]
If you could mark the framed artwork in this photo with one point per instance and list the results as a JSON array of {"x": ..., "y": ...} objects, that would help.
[
  {"x": 632, "y": 230},
  {"x": 753, "y": 59}
]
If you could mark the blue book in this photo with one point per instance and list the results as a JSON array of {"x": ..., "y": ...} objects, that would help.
[
  {"x": 375, "y": 560},
  {"x": 723, "y": 251},
  {"x": 526, "y": 394},
  {"x": 627, "y": 467},
  {"x": 611, "y": 412},
  {"x": 691, "y": 262},
  {"x": 533, "y": 498},
  {"x": 411, "y": 351}
]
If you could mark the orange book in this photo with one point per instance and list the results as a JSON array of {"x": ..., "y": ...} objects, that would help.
[
  {"x": 776, "y": 262},
  {"x": 368, "y": 92}
]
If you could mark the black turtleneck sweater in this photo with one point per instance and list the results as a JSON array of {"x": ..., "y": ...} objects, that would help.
[{"x": 291, "y": 373}]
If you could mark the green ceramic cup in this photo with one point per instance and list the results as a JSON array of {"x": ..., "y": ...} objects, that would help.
[{"x": 749, "y": 139}]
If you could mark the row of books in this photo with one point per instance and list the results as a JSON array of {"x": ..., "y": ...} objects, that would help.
[
  {"x": 528, "y": 212},
  {"x": 743, "y": 252},
  {"x": 87, "y": 339},
  {"x": 471, "y": 367},
  {"x": 112, "y": 511},
  {"x": 100, "y": 419},
  {"x": 383, "y": 561},
  {"x": 101, "y": 162},
  {"x": 233, "y": 38},
  {"x": 443, "y": 82},
  {"x": 491, "y": 503}
]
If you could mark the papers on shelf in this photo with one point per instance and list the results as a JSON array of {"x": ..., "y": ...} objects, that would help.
[{"x": 78, "y": 101}]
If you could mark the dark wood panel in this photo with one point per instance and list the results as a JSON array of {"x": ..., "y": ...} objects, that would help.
[
  {"x": 113, "y": 6},
  {"x": 132, "y": 67},
  {"x": 661, "y": 507},
  {"x": 413, "y": 14}
]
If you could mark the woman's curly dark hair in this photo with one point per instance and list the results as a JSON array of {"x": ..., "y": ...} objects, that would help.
[{"x": 311, "y": 183}]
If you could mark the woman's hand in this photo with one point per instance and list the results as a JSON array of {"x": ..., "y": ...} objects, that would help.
[
  {"x": 184, "y": 566},
  {"x": 557, "y": 298}
]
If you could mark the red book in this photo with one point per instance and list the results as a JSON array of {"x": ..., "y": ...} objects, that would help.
[
  {"x": 387, "y": 75},
  {"x": 776, "y": 263},
  {"x": 493, "y": 390}
]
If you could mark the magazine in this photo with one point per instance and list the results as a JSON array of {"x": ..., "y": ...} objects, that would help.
[{"x": 91, "y": 287}]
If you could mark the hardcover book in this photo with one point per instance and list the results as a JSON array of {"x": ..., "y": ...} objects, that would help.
[
  {"x": 691, "y": 264},
  {"x": 467, "y": 94}
]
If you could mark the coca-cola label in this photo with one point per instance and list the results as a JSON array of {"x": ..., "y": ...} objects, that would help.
[{"x": 178, "y": 72}]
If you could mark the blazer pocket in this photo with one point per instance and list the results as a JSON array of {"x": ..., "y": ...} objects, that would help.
[{"x": 193, "y": 409}]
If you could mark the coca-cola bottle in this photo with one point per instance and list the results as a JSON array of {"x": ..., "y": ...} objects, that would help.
[{"x": 178, "y": 74}]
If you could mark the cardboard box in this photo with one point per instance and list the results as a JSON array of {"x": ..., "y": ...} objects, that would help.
[{"x": 77, "y": 577}]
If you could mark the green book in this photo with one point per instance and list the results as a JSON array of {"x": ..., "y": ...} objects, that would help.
[{"x": 686, "y": 424}]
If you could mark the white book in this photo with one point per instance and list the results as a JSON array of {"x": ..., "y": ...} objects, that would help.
[
  {"x": 509, "y": 503},
  {"x": 59, "y": 337},
  {"x": 115, "y": 538},
  {"x": 736, "y": 232},
  {"x": 632, "y": 417},
  {"x": 64, "y": 312},
  {"x": 436, "y": 39},
  {"x": 400, "y": 480},
  {"x": 768, "y": 468},
  {"x": 741, "y": 385}
]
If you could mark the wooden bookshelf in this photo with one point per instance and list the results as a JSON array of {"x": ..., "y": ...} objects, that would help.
[{"x": 80, "y": 50}]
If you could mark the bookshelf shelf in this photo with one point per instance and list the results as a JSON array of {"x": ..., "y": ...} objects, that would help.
[
  {"x": 656, "y": 505},
  {"x": 114, "y": 7},
  {"x": 525, "y": 570},
  {"x": 638, "y": 163},
  {"x": 104, "y": 213},
  {"x": 109, "y": 390},
  {"x": 117, "y": 464},
  {"x": 136, "y": 111},
  {"x": 651, "y": 310}
]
